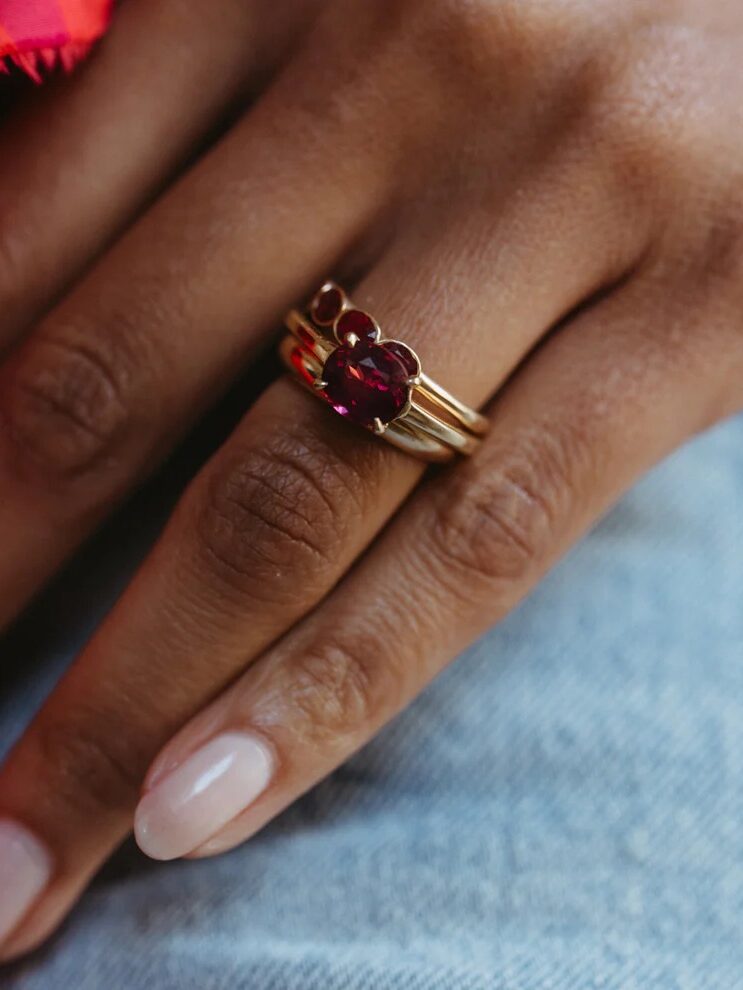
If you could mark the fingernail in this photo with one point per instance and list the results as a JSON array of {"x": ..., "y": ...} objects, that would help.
[
  {"x": 25, "y": 868},
  {"x": 202, "y": 795}
]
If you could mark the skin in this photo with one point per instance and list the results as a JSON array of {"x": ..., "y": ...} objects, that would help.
[{"x": 543, "y": 197}]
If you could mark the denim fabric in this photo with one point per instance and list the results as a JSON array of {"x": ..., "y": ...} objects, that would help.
[{"x": 561, "y": 810}]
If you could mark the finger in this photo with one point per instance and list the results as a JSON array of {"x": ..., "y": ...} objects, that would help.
[
  {"x": 109, "y": 379},
  {"x": 90, "y": 152},
  {"x": 594, "y": 408},
  {"x": 261, "y": 536}
]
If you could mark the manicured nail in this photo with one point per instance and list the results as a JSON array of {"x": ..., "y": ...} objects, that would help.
[
  {"x": 194, "y": 801},
  {"x": 25, "y": 868}
]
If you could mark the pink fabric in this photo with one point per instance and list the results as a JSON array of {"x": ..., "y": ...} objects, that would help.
[{"x": 39, "y": 34}]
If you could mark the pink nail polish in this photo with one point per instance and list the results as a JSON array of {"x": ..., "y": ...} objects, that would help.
[
  {"x": 199, "y": 797},
  {"x": 25, "y": 868}
]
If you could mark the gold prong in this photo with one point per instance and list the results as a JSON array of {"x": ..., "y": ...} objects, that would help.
[
  {"x": 319, "y": 384},
  {"x": 415, "y": 380},
  {"x": 351, "y": 339},
  {"x": 379, "y": 427}
]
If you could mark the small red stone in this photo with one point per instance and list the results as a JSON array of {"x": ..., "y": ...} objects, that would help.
[
  {"x": 327, "y": 306},
  {"x": 361, "y": 324},
  {"x": 365, "y": 383},
  {"x": 404, "y": 354}
]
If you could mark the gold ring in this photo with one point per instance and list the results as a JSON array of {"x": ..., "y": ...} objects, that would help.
[{"x": 340, "y": 353}]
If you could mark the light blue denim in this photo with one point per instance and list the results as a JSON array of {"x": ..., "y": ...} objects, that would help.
[{"x": 561, "y": 810}]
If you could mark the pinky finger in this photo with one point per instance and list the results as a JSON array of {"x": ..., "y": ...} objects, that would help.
[{"x": 598, "y": 404}]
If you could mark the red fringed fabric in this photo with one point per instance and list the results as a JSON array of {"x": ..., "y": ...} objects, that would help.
[{"x": 43, "y": 34}]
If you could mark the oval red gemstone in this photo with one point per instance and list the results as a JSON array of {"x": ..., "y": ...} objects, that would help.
[
  {"x": 327, "y": 306},
  {"x": 365, "y": 383},
  {"x": 355, "y": 322}
]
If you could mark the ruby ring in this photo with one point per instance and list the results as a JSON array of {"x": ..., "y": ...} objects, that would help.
[{"x": 340, "y": 352}]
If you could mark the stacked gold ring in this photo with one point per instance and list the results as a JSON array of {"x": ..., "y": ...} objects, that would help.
[{"x": 340, "y": 353}]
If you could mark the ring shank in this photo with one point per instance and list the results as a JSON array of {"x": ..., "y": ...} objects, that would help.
[{"x": 468, "y": 418}]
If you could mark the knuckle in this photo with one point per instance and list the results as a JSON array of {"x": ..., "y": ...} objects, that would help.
[
  {"x": 510, "y": 45},
  {"x": 338, "y": 686},
  {"x": 493, "y": 533},
  {"x": 273, "y": 511},
  {"x": 499, "y": 524},
  {"x": 89, "y": 761},
  {"x": 645, "y": 109},
  {"x": 64, "y": 404}
]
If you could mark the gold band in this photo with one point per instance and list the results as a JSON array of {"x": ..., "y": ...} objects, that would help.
[{"x": 428, "y": 422}]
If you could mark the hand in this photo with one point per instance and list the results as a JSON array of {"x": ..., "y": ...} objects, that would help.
[{"x": 545, "y": 199}]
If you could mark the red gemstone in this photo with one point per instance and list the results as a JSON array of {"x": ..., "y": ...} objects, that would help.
[
  {"x": 404, "y": 354},
  {"x": 365, "y": 383},
  {"x": 327, "y": 305},
  {"x": 358, "y": 323}
]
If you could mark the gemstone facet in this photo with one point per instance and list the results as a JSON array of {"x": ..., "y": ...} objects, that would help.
[{"x": 366, "y": 383}]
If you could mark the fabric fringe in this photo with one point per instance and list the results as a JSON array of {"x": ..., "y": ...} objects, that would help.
[{"x": 44, "y": 60}]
